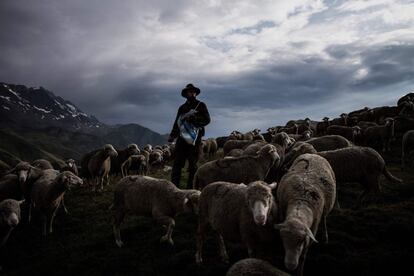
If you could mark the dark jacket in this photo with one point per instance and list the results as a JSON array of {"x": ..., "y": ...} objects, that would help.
[{"x": 200, "y": 119}]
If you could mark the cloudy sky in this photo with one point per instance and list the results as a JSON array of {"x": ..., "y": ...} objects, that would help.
[{"x": 258, "y": 63}]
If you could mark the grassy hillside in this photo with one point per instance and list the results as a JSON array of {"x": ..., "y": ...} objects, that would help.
[
  {"x": 14, "y": 148},
  {"x": 376, "y": 239}
]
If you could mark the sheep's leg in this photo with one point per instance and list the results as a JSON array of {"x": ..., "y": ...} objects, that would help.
[
  {"x": 30, "y": 212},
  {"x": 200, "y": 237},
  {"x": 107, "y": 179},
  {"x": 325, "y": 229},
  {"x": 361, "y": 198},
  {"x": 101, "y": 179},
  {"x": 119, "y": 217},
  {"x": 64, "y": 206},
  {"x": 94, "y": 182},
  {"x": 169, "y": 223},
  {"x": 337, "y": 205},
  {"x": 52, "y": 217},
  {"x": 302, "y": 259},
  {"x": 44, "y": 224},
  {"x": 222, "y": 248},
  {"x": 384, "y": 146},
  {"x": 5, "y": 238}
]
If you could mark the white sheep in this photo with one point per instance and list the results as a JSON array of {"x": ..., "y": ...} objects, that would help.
[
  {"x": 237, "y": 212},
  {"x": 156, "y": 198},
  {"x": 305, "y": 196}
]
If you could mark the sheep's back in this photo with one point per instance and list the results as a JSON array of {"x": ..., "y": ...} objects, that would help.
[
  {"x": 329, "y": 142},
  {"x": 143, "y": 194},
  {"x": 314, "y": 182},
  {"x": 354, "y": 163},
  {"x": 235, "y": 170}
]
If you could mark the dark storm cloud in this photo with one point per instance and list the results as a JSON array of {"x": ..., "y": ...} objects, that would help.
[
  {"x": 85, "y": 51},
  {"x": 278, "y": 86},
  {"x": 387, "y": 65}
]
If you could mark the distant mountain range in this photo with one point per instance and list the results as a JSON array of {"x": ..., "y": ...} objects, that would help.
[{"x": 35, "y": 123}]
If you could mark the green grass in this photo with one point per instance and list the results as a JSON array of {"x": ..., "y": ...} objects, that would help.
[{"x": 376, "y": 239}]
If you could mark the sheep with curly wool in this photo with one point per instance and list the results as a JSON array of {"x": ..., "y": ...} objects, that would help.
[
  {"x": 305, "y": 197},
  {"x": 244, "y": 169},
  {"x": 239, "y": 213}
]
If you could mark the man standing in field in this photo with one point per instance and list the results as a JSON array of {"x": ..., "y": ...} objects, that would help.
[{"x": 188, "y": 129}]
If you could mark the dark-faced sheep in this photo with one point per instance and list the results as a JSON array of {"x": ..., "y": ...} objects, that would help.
[
  {"x": 353, "y": 164},
  {"x": 305, "y": 197},
  {"x": 134, "y": 162},
  {"x": 156, "y": 159},
  {"x": 350, "y": 133},
  {"x": 380, "y": 135},
  {"x": 71, "y": 167},
  {"x": 341, "y": 121},
  {"x": 48, "y": 192},
  {"x": 322, "y": 126},
  {"x": 237, "y": 213},
  {"x": 151, "y": 197},
  {"x": 123, "y": 154},
  {"x": 254, "y": 267},
  {"x": 359, "y": 164},
  {"x": 306, "y": 135},
  {"x": 244, "y": 169}
]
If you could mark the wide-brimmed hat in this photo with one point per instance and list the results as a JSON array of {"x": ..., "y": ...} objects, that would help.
[{"x": 190, "y": 87}]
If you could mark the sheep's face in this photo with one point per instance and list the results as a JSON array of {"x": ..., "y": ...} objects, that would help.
[
  {"x": 295, "y": 237},
  {"x": 70, "y": 163},
  {"x": 10, "y": 212},
  {"x": 133, "y": 150},
  {"x": 356, "y": 130},
  {"x": 110, "y": 151},
  {"x": 259, "y": 199},
  {"x": 155, "y": 158},
  {"x": 70, "y": 180},
  {"x": 307, "y": 134},
  {"x": 148, "y": 148},
  {"x": 191, "y": 202},
  {"x": 269, "y": 150},
  {"x": 22, "y": 170}
]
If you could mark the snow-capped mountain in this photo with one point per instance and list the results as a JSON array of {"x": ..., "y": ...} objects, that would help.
[
  {"x": 36, "y": 118},
  {"x": 20, "y": 104}
]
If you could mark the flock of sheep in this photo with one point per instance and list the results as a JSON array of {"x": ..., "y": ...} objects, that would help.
[{"x": 270, "y": 189}]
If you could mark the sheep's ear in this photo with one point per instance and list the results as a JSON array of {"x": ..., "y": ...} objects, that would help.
[
  {"x": 310, "y": 234},
  {"x": 273, "y": 185},
  {"x": 21, "y": 202},
  {"x": 185, "y": 200}
]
